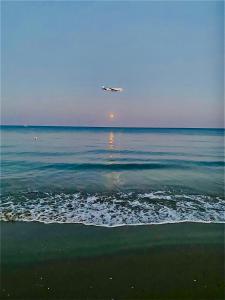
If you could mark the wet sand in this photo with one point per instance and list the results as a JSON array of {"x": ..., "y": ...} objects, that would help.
[{"x": 71, "y": 261}]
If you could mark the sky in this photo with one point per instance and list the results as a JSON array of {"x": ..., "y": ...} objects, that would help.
[{"x": 168, "y": 57}]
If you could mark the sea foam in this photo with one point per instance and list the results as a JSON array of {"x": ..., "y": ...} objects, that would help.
[{"x": 112, "y": 210}]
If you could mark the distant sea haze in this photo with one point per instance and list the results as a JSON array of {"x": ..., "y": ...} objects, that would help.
[{"x": 112, "y": 176}]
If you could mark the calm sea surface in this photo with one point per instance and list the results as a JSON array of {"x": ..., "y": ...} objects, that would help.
[{"x": 112, "y": 176}]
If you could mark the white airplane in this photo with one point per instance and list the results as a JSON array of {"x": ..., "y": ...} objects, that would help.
[{"x": 112, "y": 89}]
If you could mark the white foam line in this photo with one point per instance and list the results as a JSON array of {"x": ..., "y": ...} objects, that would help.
[
  {"x": 95, "y": 210},
  {"x": 118, "y": 225}
]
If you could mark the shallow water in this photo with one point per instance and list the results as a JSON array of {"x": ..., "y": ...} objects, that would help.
[{"x": 112, "y": 176}]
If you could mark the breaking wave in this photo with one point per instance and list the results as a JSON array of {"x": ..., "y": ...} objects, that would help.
[{"x": 112, "y": 210}]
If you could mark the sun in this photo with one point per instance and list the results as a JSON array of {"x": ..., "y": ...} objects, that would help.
[{"x": 111, "y": 116}]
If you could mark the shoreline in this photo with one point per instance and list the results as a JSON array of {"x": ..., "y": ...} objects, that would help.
[
  {"x": 73, "y": 261},
  {"x": 114, "y": 226}
]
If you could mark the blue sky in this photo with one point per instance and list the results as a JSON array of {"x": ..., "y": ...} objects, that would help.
[{"x": 168, "y": 57}]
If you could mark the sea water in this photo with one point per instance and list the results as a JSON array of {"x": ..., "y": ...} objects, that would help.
[{"x": 112, "y": 176}]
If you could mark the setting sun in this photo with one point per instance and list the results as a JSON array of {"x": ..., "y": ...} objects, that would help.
[{"x": 111, "y": 116}]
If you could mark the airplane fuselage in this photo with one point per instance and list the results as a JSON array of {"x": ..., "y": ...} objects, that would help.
[{"x": 112, "y": 89}]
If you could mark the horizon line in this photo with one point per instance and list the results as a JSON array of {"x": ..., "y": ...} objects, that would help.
[{"x": 118, "y": 127}]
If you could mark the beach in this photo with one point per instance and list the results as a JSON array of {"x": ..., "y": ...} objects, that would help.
[{"x": 72, "y": 261}]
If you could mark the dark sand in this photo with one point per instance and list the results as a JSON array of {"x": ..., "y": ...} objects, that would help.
[{"x": 71, "y": 261}]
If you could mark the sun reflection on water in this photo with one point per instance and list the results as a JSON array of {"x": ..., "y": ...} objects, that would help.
[
  {"x": 111, "y": 141},
  {"x": 113, "y": 178}
]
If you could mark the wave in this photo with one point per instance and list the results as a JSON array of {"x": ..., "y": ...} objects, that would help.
[
  {"x": 134, "y": 166},
  {"x": 113, "y": 165},
  {"x": 112, "y": 210},
  {"x": 131, "y": 154}
]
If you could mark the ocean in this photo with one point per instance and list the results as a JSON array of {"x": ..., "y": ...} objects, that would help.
[{"x": 112, "y": 176}]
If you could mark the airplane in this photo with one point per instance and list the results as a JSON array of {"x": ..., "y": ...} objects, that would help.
[{"x": 112, "y": 89}]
